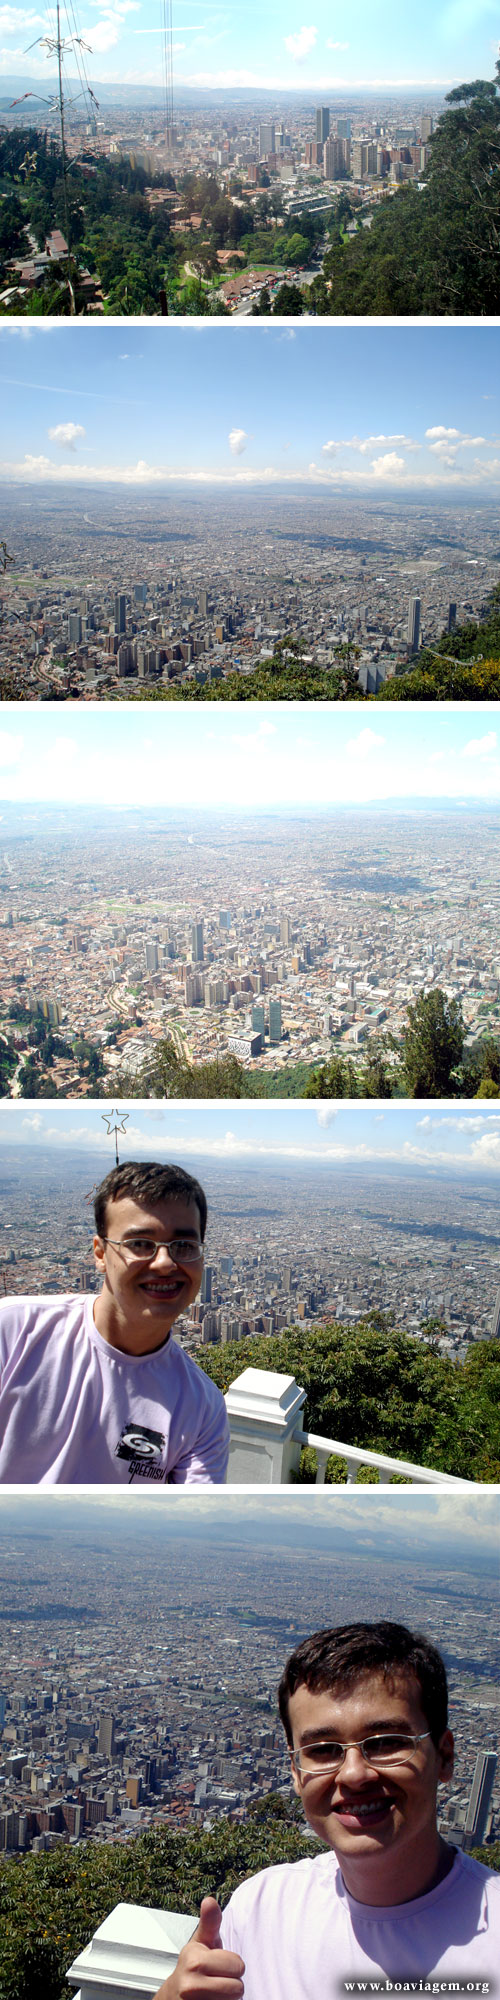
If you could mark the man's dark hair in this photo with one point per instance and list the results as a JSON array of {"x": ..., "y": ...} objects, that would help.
[
  {"x": 148, "y": 1181},
  {"x": 342, "y": 1657}
]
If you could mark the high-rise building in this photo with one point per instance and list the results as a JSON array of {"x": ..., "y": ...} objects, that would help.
[
  {"x": 197, "y": 944},
  {"x": 120, "y": 613},
  {"x": 267, "y": 140},
  {"x": 259, "y": 1022},
  {"x": 285, "y": 930},
  {"x": 74, "y": 628},
  {"x": 495, "y": 1321},
  {"x": 274, "y": 1021},
  {"x": 452, "y": 617},
  {"x": 344, "y": 128},
  {"x": 140, "y": 593},
  {"x": 479, "y": 1802},
  {"x": 322, "y": 123},
  {"x": 3, "y": 1706},
  {"x": 426, "y": 126},
  {"x": 206, "y": 1285},
  {"x": 413, "y": 624},
  {"x": 224, "y": 920},
  {"x": 336, "y": 157},
  {"x": 106, "y": 1736},
  {"x": 151, "y": 953},
  {"x": 203, "y": 603}
]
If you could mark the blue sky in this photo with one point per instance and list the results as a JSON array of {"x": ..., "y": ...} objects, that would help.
[
  {"x": 457, "y": 1138},
  {"x": 365, "y": 408},
  {"x": 230, "y": 43},
  {"x": 283, "y": 755}
]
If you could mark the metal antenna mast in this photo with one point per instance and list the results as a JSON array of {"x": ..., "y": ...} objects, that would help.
[
  {"x": 60, "y": 46},
  {"x": 168, "y": 71}
]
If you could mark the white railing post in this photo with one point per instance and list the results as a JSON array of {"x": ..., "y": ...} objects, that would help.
[
  {"x": 131, "y": 1953},
  {"x": 263, "y": 1410}
]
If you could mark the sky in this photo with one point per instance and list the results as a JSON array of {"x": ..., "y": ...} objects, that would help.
[
  {"x": 286, "y": 756},
  {"x": 407, "y": 1526},
  {"x": 276, "y": 1135},
  {"x": 361, "y": 408},
  {"x": 235, "y": 43}
]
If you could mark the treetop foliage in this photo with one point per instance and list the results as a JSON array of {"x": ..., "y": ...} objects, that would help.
[
  {"x": 377, "y": 1387},
  {"x": 51, "y": 1904}
]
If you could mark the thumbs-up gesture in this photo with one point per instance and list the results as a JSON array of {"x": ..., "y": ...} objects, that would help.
[{"x": 204, "y": 1971}]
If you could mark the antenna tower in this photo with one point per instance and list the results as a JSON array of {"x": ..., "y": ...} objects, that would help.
[
  {"x": 168, "y": 71},
  {"x": 60, "y": 46}
]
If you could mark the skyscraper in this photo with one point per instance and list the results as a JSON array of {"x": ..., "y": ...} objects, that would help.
[
  {"x": 478, "y": 1808},
  {"x": 413, "y": 624},
  {"x": 266, "y": 140},
  {"x": 206, "y": 1286},
  {"x": 106, "y": 1737},
  {"x": 259, "y": 1022},
  {"x": 452, "y": 617},
  {"x": 495, "y": 1319},
  {"x": 151, "y": 953},
  {"x": 197, "y": 943},
  {"x": 120, "y": 613},
  {"x": 274, "y": 1021},
  {"x": 322, "y": 124}
]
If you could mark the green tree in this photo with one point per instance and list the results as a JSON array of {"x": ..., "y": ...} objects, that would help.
[
  {"x": 375, "y": 1386},
  {"x": 166, "y": 1074},
  {"x": 432, "y": 1045},
  {"x": 335, "y": 1078},
  {"x": 289, "y": 301},
  {"x": 51, "y": 1904}
]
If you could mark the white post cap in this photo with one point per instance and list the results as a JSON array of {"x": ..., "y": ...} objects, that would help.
[{"x": 130, "y": 1953}]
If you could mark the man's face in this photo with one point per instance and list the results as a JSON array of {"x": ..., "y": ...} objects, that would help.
[
  {"x": 148, "y": 1295},
  {"x": 361, "y": 1811}
]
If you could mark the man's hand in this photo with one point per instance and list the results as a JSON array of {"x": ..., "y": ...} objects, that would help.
[{"x": 204, "y": 1971}]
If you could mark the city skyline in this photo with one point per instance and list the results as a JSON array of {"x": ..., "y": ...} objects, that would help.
[
  {"x": 337, "y": 409},
  {"x": 287, "y": 757},
  {"x": 220, "y": 45}
]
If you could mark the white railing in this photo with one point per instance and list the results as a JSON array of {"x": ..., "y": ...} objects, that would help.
[{"x": 264, "y": 1411}]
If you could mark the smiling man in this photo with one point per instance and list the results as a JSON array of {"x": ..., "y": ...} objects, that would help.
[
  {"x": 95, "y": 1391},
  {"x": 365, "y": 1712}
]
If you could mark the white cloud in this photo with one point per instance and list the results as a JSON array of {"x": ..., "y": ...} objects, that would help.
[
  {"x": 300, "y": 45},
  {"x": 19, "y": 20},
  {"x": 338, "y": 45},
  {"x": 365, "y": 445},
  {"x": 106, "y": 35},
  {"x": 362, "y": 745},
  {"x": 238, "y": 441},
  {"x": 66, "y": 434},
  {"x": 389, "y": 465},
  {"x": 446, "y": 453},
  {"x": 326, "y": 1115},
  {"x": 441, "y": 431},
  {"x": 481, "y": 746}
]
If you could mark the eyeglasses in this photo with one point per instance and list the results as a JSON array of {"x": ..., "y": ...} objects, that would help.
[
  {"x": 315, "y": 1758},
  {"x": 144, "y": 1249}
]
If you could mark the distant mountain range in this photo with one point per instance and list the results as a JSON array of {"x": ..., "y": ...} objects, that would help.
[{"x": 186, "y": 97}]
